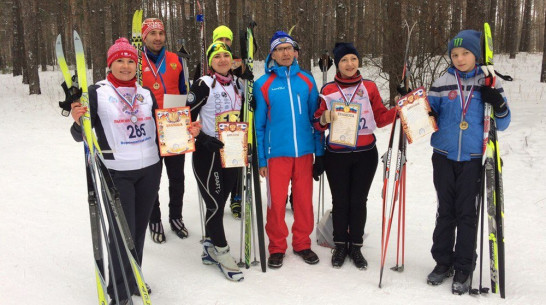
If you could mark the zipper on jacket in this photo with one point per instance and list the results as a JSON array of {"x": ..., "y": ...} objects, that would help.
[
  {"x": 299, "y": 103},
  {"x": 293, "y": 115},
  {"x": 269, "y": 148},
  {"x": 460, "y": 143}
]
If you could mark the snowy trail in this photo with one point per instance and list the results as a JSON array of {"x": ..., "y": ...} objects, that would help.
[{"x": 45, "y": 249}]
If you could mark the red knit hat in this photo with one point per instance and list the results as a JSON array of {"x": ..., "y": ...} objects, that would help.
[
  {"x": 121, "y": 49},
  {"x": 151, "y": 24}
]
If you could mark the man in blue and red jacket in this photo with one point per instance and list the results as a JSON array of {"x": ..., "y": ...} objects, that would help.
[{"x": 286, "y": 99}]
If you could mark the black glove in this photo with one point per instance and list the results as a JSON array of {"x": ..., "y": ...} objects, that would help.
[
  {"x": 210, "y": 143},
  {"x": 493, "y": 97},
  {"x": 247, "y": 74},
  {"x": 72, "y": 94},
  {"x": 402, "y": 90},
  {"x": 318, "y": 167},
  {"x": 243, "y": 72}
]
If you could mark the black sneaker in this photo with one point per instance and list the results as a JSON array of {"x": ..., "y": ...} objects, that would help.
[
  {"x": 236, "y": 207},
  {"x": 157, "y": 232},
  {"x": 439, "y": 274},
  {"x": 339, "y": 255},
  {"x": 122, "y": 302},
  {"x": 275, "y": 260},
  {"x": 461, "y": 282},
  {"x": 177, "y": 225},
  {"x": 308, "y": 256},
  {"x": 137, "y": 292},
  {"x": 358, "y": 259}
]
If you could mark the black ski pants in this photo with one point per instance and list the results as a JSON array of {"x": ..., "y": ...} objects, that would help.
[
  {"x": 457, "y": 186},
  {"x": 175, "y": 173},
  {"x": 215, "y": 184},
  {"x": 138, "y": 192},
  {"x": 350, "y": 176}
]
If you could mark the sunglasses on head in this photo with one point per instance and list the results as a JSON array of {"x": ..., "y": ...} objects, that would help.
[{"x": 219, "y": 46}]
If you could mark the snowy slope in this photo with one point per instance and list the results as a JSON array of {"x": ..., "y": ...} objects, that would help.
[{"x": 45, "y": 250}]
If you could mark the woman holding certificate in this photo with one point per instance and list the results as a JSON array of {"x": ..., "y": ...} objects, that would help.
[
  {"x": 350, "y": 108},
  {"x": 216, "y": 99}
]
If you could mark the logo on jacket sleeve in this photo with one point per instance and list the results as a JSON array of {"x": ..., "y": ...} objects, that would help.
[
  {"x": 452, "y": 95},
  {"x": 191, "y": 98},
  {"x": 174, "y": 65}
]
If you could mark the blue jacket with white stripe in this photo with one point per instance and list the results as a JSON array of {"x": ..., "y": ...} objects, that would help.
[
  {"x": 444, "y": 97},
  {"x": 286, "y": 100}
]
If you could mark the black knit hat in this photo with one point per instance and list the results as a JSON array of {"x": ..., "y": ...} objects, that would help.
[{"x": 343, "y": 48}]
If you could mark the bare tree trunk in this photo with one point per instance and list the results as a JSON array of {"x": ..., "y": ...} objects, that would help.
[
  {"x": 31, "y": 34},
  {"x": 18, "y": 49},
  {"x": 456, "y": 17},
  {"x": 99, "y": 40},
  {"x": 377, "y": 14},
  {"x": 304, "y": 25},
  {"x": 360, "y": 39},
  {"x": 543, "y": 72},
  {"x": 41, "y": 35},
  {"x": 393, "y": 56},
  {"x": 512, "y": 27},
  {"x": 475, "y": 15},
  {"x": 492, "y": 20},
  {"x": 211, "y": 20},
  {"x": 341, "y": 21},
  {"x": 525, "y": 42}
]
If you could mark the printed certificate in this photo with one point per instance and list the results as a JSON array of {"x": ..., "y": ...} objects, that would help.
[
  {"x": 234, "y": 135},
  {"x": 344, "y": 130},
  {"x": 172, "y": 131},
  {"x": 413, "y": 109}
]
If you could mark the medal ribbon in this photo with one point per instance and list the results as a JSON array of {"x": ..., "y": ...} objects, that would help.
[
  {"x": 465, "y": 103},
  {"x": 237, "y": 96},
  {"x": 151, "y": 65},
  {"x": 347, "y": 102},
  {"x": 123, "y": 98}
]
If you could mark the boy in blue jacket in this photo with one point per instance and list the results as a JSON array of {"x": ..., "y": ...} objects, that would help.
[
  {"x": 457, "y": 99},
  {"x": 286, "y": 100}
]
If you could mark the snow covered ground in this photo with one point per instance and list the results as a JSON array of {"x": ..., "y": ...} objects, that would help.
[{"x": 45, "y": 250}]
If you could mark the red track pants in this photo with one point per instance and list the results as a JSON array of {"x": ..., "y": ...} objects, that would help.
[{"x": 282, "y": 170}]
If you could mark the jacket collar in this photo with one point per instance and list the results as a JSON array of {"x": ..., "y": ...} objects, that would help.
[
  {"x": 271, "y": 66},
  {"x": 465, "y": 75}
]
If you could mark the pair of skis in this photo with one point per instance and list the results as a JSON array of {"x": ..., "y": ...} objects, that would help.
[
  {"x": 398, "y": 191},
  {"x": 251, "y": 188},
  {"x": 492, "y": 189},
  {"x": 101, "y": 192}
]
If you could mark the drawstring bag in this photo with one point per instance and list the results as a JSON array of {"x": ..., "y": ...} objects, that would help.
[{"x": 325, "y": 231}]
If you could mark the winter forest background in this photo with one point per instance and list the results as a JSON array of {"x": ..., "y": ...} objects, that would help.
[{"x": 28, "y": 29}]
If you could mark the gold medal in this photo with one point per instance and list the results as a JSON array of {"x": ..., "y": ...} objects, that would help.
[
  {"x": 156, "y": 85},
  {"x": 346, "y": 109},
  {"x": 463, "y": 125}
]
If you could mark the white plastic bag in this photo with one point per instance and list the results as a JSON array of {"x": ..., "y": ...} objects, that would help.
[{"x": 325, "y": 231}]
